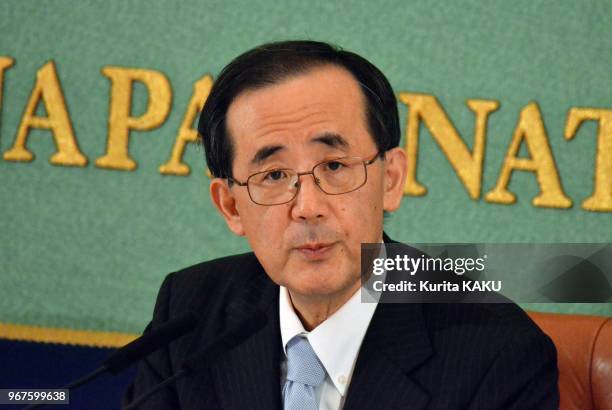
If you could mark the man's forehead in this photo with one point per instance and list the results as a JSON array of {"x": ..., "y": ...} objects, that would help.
[{"x": 326, "y": 94}]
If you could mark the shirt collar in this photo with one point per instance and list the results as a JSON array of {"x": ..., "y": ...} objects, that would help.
[
  {"x": 290, "y": 323},
  {"x": 336, "y": 341}
]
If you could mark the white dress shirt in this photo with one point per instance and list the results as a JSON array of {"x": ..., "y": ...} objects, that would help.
[{"x": 336, "y": 341}]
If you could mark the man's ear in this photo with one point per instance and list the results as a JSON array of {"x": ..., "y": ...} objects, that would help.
[
  {"x": 394, "y": 178},
  {"x": 225, "y": 202}
]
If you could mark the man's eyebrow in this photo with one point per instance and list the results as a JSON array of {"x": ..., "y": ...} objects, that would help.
[
  {"x": 264, "y": 152},
  {"x": 332, "y": 140}
]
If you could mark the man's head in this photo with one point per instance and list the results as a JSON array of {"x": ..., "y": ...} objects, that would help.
[
  {"x": 293, "y": 105},
  {"x": 272, "y": 63}
]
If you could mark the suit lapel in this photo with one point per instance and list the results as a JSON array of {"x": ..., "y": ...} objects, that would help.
[
  {"x": 396, "y": 343},
  {"x": 248, "y": 375}
]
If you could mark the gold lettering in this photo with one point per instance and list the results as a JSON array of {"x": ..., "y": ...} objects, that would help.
[
  {"x": 187, "y": 134},
  {"x": 530, "y": 128},
  {"x": 120, "y": 121},
  {"x": 467, "y": 164},
  {"x": 5, "y": 63},
  {"x": 49, "y": 90},
  {"x": 601, "y": 199}
]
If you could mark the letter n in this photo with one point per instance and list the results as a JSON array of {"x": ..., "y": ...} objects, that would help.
[{"x": 467, "y": 164}]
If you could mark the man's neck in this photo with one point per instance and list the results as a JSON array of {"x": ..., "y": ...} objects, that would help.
[{"x": 313, "y": 311}]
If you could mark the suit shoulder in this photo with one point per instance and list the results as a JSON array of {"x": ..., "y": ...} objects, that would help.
[
  {"x": 233, "y": 267},
  {"x": 215, "y": 279},
  {"x": 493, "y": 322},
  {"x": 474, "y": 336}
]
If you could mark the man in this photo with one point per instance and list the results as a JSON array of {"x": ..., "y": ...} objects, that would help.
[{"x": 302, "y": 140}]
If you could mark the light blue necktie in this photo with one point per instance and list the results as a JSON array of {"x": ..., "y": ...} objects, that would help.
[{"x": 304, "y": 373}]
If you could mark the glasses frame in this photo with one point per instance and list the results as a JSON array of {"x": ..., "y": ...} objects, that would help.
[{"x": 311, "y": 172}]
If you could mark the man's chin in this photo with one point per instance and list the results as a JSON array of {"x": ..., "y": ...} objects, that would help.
[{"x": 319, "y": 286}]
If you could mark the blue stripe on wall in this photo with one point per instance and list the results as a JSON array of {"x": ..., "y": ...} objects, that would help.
[{"x": 42, "y": 365}]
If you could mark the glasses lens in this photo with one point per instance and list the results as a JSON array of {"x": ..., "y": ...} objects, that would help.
[
  {"x": 279, "y": 186},
  {"x": 272, "y": 187},
  {"x": 340, "y": 175}
]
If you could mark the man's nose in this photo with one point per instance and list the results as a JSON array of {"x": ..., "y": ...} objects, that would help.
[{"x": 310, "y": 202}]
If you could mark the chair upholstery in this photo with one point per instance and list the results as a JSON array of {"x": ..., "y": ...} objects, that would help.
[{"x": 584, "y": 353}]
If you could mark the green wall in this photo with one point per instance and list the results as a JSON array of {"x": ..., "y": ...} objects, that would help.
[{"x": 87, "y": 247}]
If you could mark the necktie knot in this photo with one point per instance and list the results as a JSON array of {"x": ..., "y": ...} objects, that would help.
[{"x": 303, "y": 365}]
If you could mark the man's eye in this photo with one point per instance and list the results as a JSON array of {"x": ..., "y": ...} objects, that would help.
[
  {"x": 334, "y": 165},
  {"x": 276, "y": 175}
]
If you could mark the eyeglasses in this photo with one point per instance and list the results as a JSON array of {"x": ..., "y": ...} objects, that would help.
[{"x": 334, "y": 177}]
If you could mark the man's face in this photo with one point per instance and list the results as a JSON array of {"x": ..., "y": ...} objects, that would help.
[{"x": 311, "y": 245}]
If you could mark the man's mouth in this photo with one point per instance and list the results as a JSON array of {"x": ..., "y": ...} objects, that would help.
[{"x": 315, "y": 250}]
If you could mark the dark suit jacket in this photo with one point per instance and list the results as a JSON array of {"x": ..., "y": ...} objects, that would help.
[{"x": 413, "y": 356}]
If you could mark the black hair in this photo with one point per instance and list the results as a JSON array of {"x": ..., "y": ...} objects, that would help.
[{"x": 271, "y": 63}]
